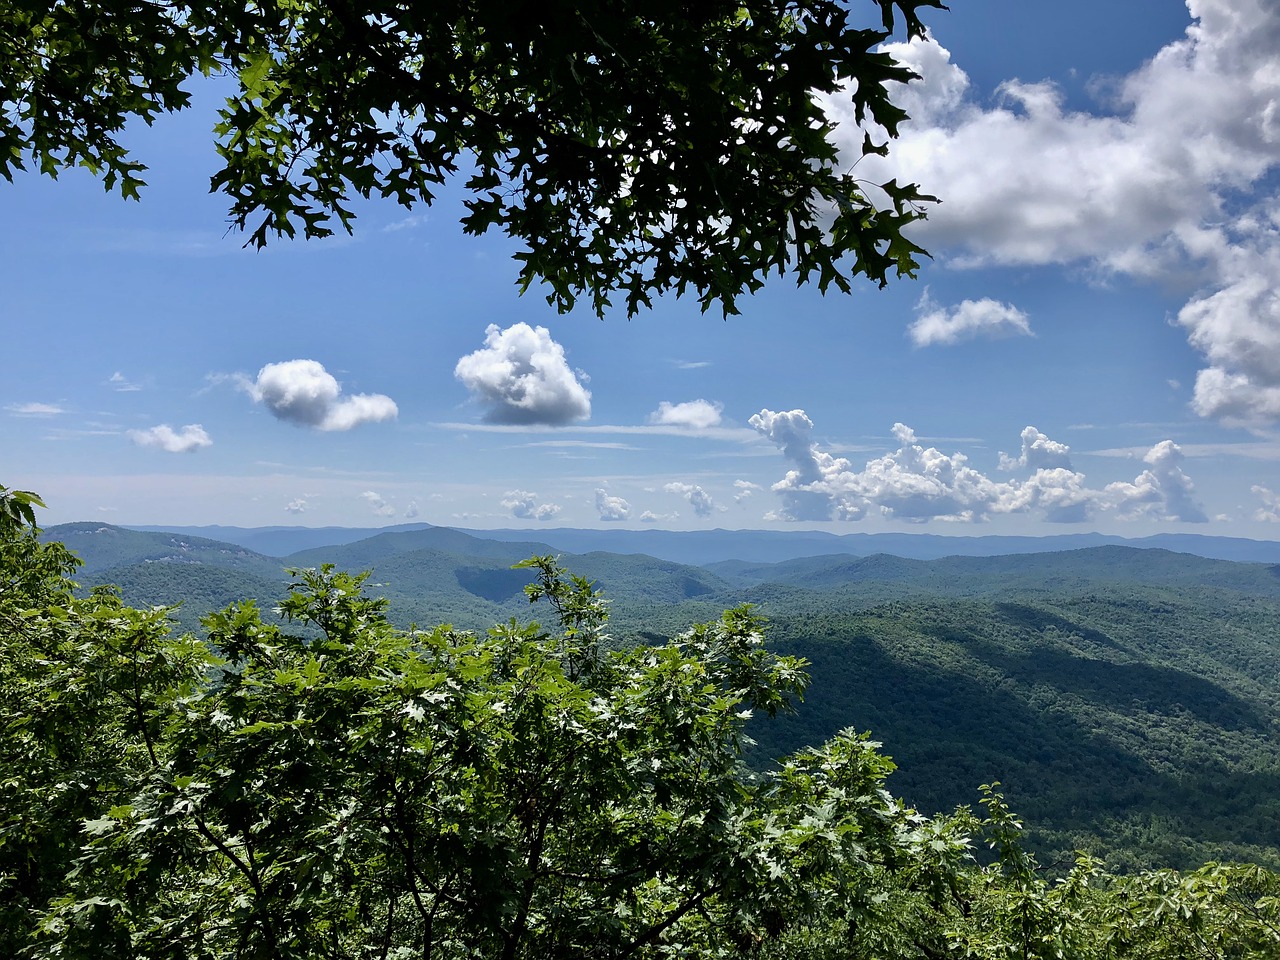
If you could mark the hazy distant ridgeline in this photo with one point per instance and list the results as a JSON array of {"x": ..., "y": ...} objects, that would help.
[
  {"x": 1128, "y": 698},
  {"x": 700, "y": 547}
]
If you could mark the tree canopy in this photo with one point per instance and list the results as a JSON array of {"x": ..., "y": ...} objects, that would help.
[{"x": 632, "y": 147}]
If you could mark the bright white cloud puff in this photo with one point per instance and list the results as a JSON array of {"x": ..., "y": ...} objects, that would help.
[
  {"x": 917, "y": 483},
  {"x": 378, "y": 504},
  {"x": 521, "y": 376},
  {"x": 970, "y": 319},
  {"x": 304, "y": 393},
  {"x": 1038, "y": 453},
  {"x": 694, "y": 414},
  {"x": 611, "y": 508},
  {"x": 524, "y": 505},
  {"x": 190, "y": 438},
  {"x": 701, "y": 502}
]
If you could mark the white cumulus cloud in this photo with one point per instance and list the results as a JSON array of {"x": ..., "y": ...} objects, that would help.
[
  {"x": 745, "y": 490},
  {"x": 701, "y": 502},
  {"x": 1161, "y": 492},
  {"x": 524, "y": 504},
  {"x": 967, "y": 320},
  {"x": 296, "y": 506},
  {"x": 1269, "y": 512},
  {"x": 1172, "y": 177},
  {"x": 694, "y": 414},
  {"x": 304, "y": 393},
  {"x": 610, "y": 507},
  {"x": 521, "y": 377},
  {"x": 917, "y": 483},
  {"x": 1038, "y": 453},
  {"x": 378, "y": 503},
  {"x": 190, "y": 438}
]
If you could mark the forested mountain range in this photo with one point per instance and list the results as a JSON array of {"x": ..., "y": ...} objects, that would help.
[
  {"x": 765, "y": 546},
  {"x": 1129, "y": 699}
]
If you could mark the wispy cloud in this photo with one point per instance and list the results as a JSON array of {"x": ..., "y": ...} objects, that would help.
[
  {"x": 34, "y": 409},
  {"x": 122, "y": 384}
]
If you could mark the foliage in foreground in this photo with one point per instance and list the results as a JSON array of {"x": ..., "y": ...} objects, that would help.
[
  {"x": 373, "y": 792},
  {"x": 630, "y": 147}
]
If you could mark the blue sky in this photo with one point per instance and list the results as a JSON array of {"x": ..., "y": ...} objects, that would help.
[{"x": 1095, "y": 345}]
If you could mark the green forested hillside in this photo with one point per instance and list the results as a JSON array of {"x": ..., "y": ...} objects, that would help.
[
  {"x": 101, "y": 547},
  {"x": 1128, "y": 699},
  {"x": 1140, "y": 723}
]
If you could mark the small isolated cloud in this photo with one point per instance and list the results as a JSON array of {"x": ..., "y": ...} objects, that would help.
[
  {"x": 1038, "y": 453},
  {"x": 524, "y": 505},
  {"x": 650, "y": 517},
  {"x": 699, "y": 499},
  {"x": 296, "y": 506},
  {"x": 119, "y": 382},
  {"x": 34, "y": 409},
  {"x": 189, "y": 439},
  {"x": 968, "y": 320},
  {"x": 1161, "y": 492},
  {"x": 694, "y": 414},
  {"x": 611, "y": 508},
  {"x": 411, "y": 512},
  {"x": 690, "y": 364},
  {"x": 521, "y": 377},
  {"x": 1269, "y": 512},
  {"x": 304, "y": 393},
  {"x": 745, "y": 490},
  {"x": 378, "y": 503}
]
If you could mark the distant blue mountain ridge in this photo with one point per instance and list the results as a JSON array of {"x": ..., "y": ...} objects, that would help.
[{"x": 701, "y": 547}]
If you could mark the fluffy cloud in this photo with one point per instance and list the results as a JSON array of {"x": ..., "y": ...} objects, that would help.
[
  {"x": 521, "y": 376},
  {"x": 611, "y": 508},
  {"x": 745, "y": 489},
  {"x": 791, "y": 431},
  {"x": 968, "y": 320},
  {"x": 378, "y": 503},
  {"x": 411, "y": 512},
  {"x": 296, "y": 506},
  {"x": 695, "y": 414},
  {"x": 916, "y": 483},
  {"x": 1161, "y": 492},
  {"x": 524, "y": 505},
  {"x": 701, "y": 502},
  {"x": 1269, "y": 512},
  {"x": 1038, "y": 453},
  {"x": 304, "y": 393},
  {"x": 1172, "y": 178},
  {"x": 189, "y": 439}
]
